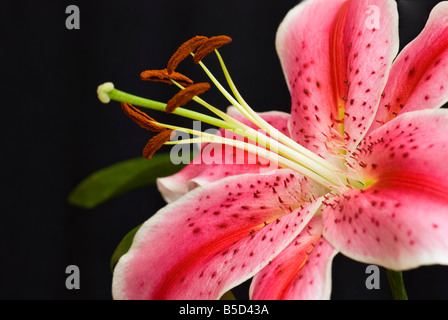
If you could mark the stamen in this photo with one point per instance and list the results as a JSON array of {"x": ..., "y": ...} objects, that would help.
[
  {"x": 184, "y": 96},
  {"x": 303, "y": 166},
  {"x": 141, "y": 118},
  {"x": 184, "y": 51},
  {"x": 213, "y": 109},
  {"x": 209, "y": 46},
  {"x": 269, "y": 142},
  {"x": 255, "y": 118},
  {"x": 165, "y": 77},
  {"x": 156, "y": 143},
  {"x": 254, "y": 149},
  {"x": 121, "y": 96}
]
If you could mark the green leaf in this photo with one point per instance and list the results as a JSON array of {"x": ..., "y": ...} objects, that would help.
[
  {"x": 120, "y": 178},
  {"x": 123, "y": 247},
  {"x": 228, "y": 296}
]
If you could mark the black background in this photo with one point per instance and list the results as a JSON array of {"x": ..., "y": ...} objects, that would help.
[{"x": 54, "y": 131}]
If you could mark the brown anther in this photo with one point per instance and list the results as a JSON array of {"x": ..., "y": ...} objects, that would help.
[
  {"x": 184, "y": 51},
  {"x": 209, "y": 46},
  {"x": 165, "y": 77},
  {"x": 141, "y": 118},
  {"x": 156, "y": 143},
  {"x": 185, "y": 95}
]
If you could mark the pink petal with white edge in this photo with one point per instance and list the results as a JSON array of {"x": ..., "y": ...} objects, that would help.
[
  {"x": 300, "y": 272},
  {"x": 215, "y": 237},
  {"x": 370, "y": 43},
  {"x": 217, "y": 161},
  {"x": 336, "y": 59},
  {"x": 303, "y": 46},
  {"x": 418, "y": 78},
  {"x": 401, "y": 220}
]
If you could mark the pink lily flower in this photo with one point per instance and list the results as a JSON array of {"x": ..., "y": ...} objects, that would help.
[{"x": 370, "y": 184}]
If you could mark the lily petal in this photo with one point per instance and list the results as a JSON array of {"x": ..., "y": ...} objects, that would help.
[
  {"x": 336, "y": 65},
  {"x": 401, "y": 220},
  {"x": 418, "y": 78},
  {"x": 215, "y": 237},
  {"x": 371, "y": 42},
  {"x": 203, "y": 169},
  {"x": 301, "y": 271},
  {"x": 303, "y": 46}
]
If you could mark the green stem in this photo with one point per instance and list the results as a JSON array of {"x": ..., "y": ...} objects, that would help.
[{"x": 397, "y": 285}]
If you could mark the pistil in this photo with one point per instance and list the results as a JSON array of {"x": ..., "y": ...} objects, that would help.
[
  {"x": 267, "y": 141},
  {"x": 298, "y": 162}
]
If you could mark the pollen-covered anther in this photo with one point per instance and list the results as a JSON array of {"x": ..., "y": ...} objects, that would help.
[
  {"x": 184, "y": 51},
  {"x": 165, "y": 77},
  {"x": 141, "y": 118},
  {"x": 185, "y": 95},
  {"x": 209, "y": 46},
  {"x": 155, "y": 143}
]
